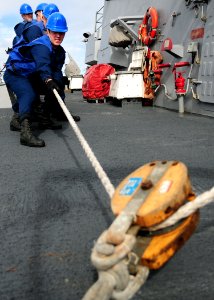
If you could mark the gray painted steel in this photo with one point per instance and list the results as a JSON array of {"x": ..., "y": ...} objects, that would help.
[
  {"x": 179, "y": 29},
  {"x": 206, "y": 72}
]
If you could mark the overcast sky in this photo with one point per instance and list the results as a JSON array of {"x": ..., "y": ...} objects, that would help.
[{"x": 80, "y": 16}]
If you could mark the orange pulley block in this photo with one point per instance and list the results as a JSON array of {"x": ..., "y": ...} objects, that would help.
[{"x": 161, "y": 187}]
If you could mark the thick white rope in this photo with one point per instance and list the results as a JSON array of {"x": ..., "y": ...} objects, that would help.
[
  {"x": 187, "y": 209},
  {"x": 88, "y": 151}
]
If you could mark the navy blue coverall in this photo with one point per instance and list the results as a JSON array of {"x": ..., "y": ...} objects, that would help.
[
  {"x": 25, "y": 33},
  {"x": 27, "y": 71}
]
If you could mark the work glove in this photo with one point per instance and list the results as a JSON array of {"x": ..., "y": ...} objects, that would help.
[{"x": 51, "y": 84}]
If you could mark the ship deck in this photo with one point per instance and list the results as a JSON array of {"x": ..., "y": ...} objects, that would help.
[{"x": 53, "y": 207}]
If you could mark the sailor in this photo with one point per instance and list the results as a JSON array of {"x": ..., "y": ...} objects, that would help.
[
  {"x": 26, "y": 31},
  {"x": 30, "y": 32},
  {"x": 42, "y": 59},
  {"x": 27, "y": 16},
  {"x": 48, "y": 10},
  {"x": 38, "y": 11},
  {"x": 55, "y": 109},
  {"x": 29, "y": 28}
]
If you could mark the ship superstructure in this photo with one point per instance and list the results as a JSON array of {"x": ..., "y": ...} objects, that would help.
[{"x": 184, "y": 37}]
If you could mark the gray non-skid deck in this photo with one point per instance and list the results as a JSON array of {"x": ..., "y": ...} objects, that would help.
[{"x": 53, "y": 207}]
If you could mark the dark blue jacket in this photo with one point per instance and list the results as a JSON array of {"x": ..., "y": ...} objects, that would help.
[
  {"x": 39, "y": 57},
  {"x": 28, "y": 31}
]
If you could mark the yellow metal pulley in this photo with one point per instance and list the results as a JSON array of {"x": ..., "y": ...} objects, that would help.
[{"x": 162, "y": 187}]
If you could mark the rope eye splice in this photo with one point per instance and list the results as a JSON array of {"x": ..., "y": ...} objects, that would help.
[
  {"x": 135, "y": 242},
  {"x": 146, "y": 35}
]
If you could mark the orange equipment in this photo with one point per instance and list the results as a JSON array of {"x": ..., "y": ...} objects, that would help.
[
  {"x": 155, "y": 74},
  {"x": 159, "y": 188},
  {"x": 146, "y": 35},
  {"x": 153, "y": 60}
]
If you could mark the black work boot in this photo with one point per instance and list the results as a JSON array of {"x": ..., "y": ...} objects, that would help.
[
  {"x": 62, "y": 117},
  {"x": 47, "y": 123},
  {"x": 27, "y": 138},
  {"x": 44, "y": 120},
  {"x": 15, "y": 124}
]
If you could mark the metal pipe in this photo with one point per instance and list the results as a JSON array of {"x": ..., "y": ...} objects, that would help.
[{"x": 181, "y": 103}]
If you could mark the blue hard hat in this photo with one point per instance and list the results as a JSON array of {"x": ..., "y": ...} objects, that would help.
[
  {"x": 49, "y": 9},
  {"x": 57, "y": 22},
  {"x": 41, "y": 6},
  {"x": 25, "y": 9}
]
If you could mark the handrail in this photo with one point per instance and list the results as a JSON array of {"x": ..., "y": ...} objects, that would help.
[{"x": 98, "y": 19}]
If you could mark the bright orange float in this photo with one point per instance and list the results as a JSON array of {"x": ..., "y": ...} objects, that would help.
[{"x": 146, "y": 35}]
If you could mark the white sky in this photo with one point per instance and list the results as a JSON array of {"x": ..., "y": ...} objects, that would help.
[{"x": 80, "y": 16}]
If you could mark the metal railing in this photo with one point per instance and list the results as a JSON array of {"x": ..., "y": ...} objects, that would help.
[{"x": 98, "y": 19}]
